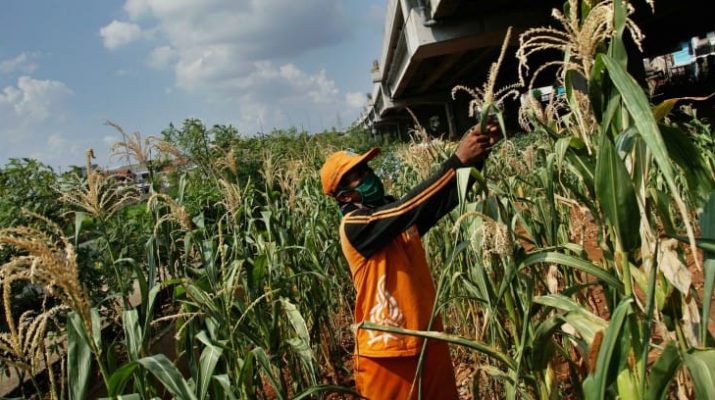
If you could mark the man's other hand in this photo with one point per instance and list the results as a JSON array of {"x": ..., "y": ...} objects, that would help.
[{"x": 476, "y": 145}]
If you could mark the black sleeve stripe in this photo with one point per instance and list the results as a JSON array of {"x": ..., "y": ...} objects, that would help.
[{"x": 405, "y": 207}]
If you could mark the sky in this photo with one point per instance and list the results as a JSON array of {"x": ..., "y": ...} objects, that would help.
[{"x": 68, "y": 66}]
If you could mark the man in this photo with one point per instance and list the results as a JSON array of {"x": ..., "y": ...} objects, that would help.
[{"x": 381, "y": 241}]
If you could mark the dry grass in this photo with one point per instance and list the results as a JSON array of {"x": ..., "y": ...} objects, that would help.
[
  {"x": 177, "y": 212},
  {"x": 49, "y": 260},
  {"x": 232, "y": 198},
  {"x": 227, "y": 162},
  {"x": 133, "y": 146},
  {"x": 100, "y": 196}
]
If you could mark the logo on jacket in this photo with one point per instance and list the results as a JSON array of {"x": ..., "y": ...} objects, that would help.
[{"x": 386, "y": 312}]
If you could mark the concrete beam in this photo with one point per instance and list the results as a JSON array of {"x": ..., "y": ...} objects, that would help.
[
  {"x": 445, "y": 66},
  {"x": 425, "y": 42},
  {"x": 443, "y": 8},
  {"x": 393, "y": 26}
]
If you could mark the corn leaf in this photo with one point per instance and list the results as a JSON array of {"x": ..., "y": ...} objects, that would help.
[
  {"x": 551, "y": 257},
  {"x": 663, "y": 371},
  {"x": 314, "y": 390},
  {"x": 707, "y": 227},
  {"x": 120, "y": 377},
  {"x": 585, "y": 322},
  {"x": 133, "y": 333},
  {"x": 701, "y": 364},
  {"x": 594, "y": 386},
  {"x": 482, "y": 348},
  {"x": 617, "y": 49},
  {"x": 207, "y": 364},
  {"x": 265, "y": 364},
  {"x": 226, "y": 386},
  {"x": 133, "y": 396},
  {"x": 664, "y": 108},
  {"x": 79, "y": 358},
  {"x": 637, "y": 104},
  {"x": 165, "y": 371},
  {"x": 301, "y": 343},
  {"x": 616, "y": 194},
  {"x": 686, "y": 155}
]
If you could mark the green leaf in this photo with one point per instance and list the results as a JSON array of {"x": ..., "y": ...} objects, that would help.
[
  {"x": 663, "y": 371},
  {"x": 594, "y": 386},
  {"x": 596, "y": 89},
  {"x": 226, "y": 385},
  {"x": 314, "y": 390},
  {"x": 245, "y": 376},
  {"x": 701, "y": 364},
  {"x": 165, "y": 371},
  {"x": 79, "y": 218},
  {"x": 462, "y": 186},
  {"x": 637, "y": 104},
  {"x": 79, "y": 358},
  {"x": 480, "y": 347},
  {"x": 267, "y": 368},
  {"x": 707, "y": 221},
  {"x": 582, "y": 166},
  {"x": 617, "y": 49},
  {"x": 96, "y": 328},
  {"x": 119, "y": 378},
  {"x": 207, "y": 364},
  {"x": 148, "y": 306},
  {"x": 662, "y": 205},
  {"x": 301, "y": 343},
  {"x": 707, "y": 228},
  {"x": 551, "y": 257},
  {"x": 616, "y": 194},
  {"x": 133, "y": 333},
  {"x": 133, "y": 396},
  {"x": 585, "y": 322},
  {"x": 542, "y": 344},
  {"x": 695, "y": 169}
]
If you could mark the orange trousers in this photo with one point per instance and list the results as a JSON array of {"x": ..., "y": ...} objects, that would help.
[{"x": 390, "y": 378}]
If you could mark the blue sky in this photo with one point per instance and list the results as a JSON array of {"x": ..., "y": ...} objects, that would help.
[{"x": 68, "y": 66}]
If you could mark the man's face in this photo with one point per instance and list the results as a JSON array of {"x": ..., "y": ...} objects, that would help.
[{"x": 352, "y": 178}]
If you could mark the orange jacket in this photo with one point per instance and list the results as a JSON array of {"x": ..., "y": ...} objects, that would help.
[{"x": 388, "y": 264}]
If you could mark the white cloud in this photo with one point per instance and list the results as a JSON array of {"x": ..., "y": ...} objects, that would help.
[
  {"x": 136, "y": 8},
  {"x": 118, "y": 34},
  {"x": 33, "y": 113},
  {"x": 240, "y": 54},
  {"x": 162, "y": 57},
  {"x": 23, "y": 63},
  {"x": 217, "y": 41},
  {"x": 34, "y": 99},
  {"x": 355, "y": 99}
]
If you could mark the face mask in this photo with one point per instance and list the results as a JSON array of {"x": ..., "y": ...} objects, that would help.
[{"x": 371, "y": 190}]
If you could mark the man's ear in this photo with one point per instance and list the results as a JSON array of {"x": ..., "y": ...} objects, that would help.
[{"x": 348, "y": 196}]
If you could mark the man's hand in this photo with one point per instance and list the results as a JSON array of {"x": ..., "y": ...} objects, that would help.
[{"x": 476, "y": 145}]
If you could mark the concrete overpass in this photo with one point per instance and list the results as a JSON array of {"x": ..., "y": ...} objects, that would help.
[{"x": 429, "y": 46}]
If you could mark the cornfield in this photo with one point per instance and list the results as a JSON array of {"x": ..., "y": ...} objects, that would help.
[{"x": 581, "y": 265}]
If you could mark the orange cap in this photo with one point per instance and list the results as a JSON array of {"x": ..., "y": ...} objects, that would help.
[{"x": 337, "y": 164}]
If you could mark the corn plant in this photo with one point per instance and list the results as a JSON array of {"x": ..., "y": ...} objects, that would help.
[{"x": 548, "y": 310}]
